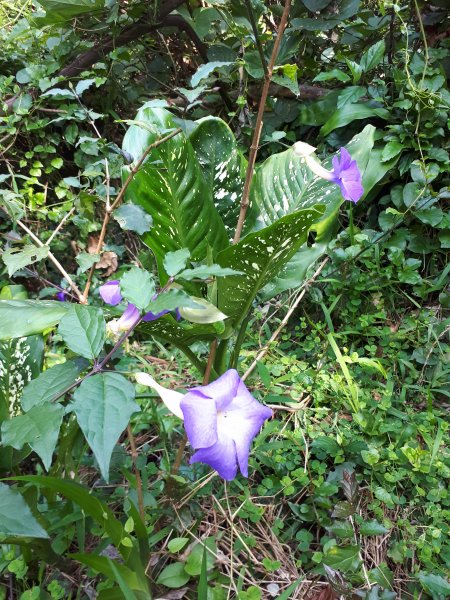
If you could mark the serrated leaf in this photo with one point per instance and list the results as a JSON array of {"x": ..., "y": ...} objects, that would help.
[
  {"x": 39, "y": 428},
  {"x": 20, "y": 318},
  {"x": 132, "y": 217},
  {"x": 206, "y": 272},
  {"x": 50, "y": 383},
  {"x": 260, "y": 256},
  {"x": 171, "y": 188},
  {"x": 16, "y": 518},
  {"x": 17, "y": 258},
  {"x": 390, "y": 150},
  {"x": 173, "y": 576},
  {"x": 86, "y": 260},
  {"x": 174, "y": 262},
  {"x": 83, "y": 330},
  {"x": 372, "y": 528},
  {"x": 103, "y": 406},
  {"x": 138, "y": 287}
]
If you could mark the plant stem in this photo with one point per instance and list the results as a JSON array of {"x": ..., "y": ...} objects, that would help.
[
  {"x": 259, "y": 123},
  {"x": 110, "y": 208},
  {"x": 134, "y": 457},
  {"x": 240, "y": 338},
  {"x": 351, "y": 228}
]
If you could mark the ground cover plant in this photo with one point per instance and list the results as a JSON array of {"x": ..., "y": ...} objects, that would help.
[{"x": 224, "y": 327}]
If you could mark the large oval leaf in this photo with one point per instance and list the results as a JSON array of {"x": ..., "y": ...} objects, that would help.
[
  {"x": 19, "y": 318},
  {"x": 16, "y": 518},
  {"x": 170, "y": 186}
]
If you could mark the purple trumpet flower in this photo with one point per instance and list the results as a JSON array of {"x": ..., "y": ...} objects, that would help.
[
  {"x": 221, "y": 419},
  {"x": 345, "y": 173}
]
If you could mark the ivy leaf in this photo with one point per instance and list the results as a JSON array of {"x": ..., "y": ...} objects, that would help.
[
  {"x": 39, "y": 428},
  {"x": 436, "y": 585},
  {"x": 138, "y": 287},
  {"x": 16, "y": 518},
  {"x": 372, "y": 528},
  {"x": 83, "y": 330},
  {"x": 20, "y": 318},
  {"x": 260, "y": 256},
  {"x": 50, "y": 383},
  {"x": 16, "y": 258},
  {"x": 86, "y": 260},
  {"x": 132, "y": 217},
  {"x": 174, "y": 262},
  {"x": 103, "y": 406},
  {"x": 343, "y": 559}
]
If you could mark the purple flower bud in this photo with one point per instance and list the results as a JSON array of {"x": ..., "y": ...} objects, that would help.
[
  {"x": 110, "y": 292},
  {"x": 61, "y": 296}
]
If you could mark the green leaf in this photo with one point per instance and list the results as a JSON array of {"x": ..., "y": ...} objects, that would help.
[
  {"x": 19, "y": 318},
  {"x": 206, "y": 69},
  {"x": 383, "y": 576},
  {"x": 177, "y": 544},
  {"x": 50, "y": 383},
  {"x": 102, "y": 564},
  {"x": 206, "y": 272},
  {"x": 435, "y": 585},
  {"x": 132, "y": 217},
  {"x": 174, "y": 262},
  {"x": 204, "y": 313},
  {"x": 103, "y": 406},
  {"x": 341, "y": 529},
  {"x": 370, "y": 456},
  {"x": 373, "y": 56},
  {"x": 63, "y": 10},
  {"x": 20, "y": 362},
  {"x": 138, "y": 287},
  {"x": 260, "y": 256},
  {"x": 171, "y": 300},
  {"x": 17, "y": 258},
  {"x": 372, "y": 528},
  {"x": 193, "y": 564},
  {"x": 333, "y": 74},
  {"x": 83, "y": 330},
  {"x": 39, "y": 428},
  {"x": 223, "y": 167},
  {"x": 171, "y": 188},
  {"x": 173, "y": 576},
  {"x": 390, "y": 150},
  {"x": 352, "y": 112},
  {"x": 16, "y": 518},
  {"x": 350, "y": 94},
  {"x": 345, "y": 559},
  {"x": 86, "y": 260}
]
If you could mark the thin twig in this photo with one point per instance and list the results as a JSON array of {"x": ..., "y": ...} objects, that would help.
[
  {"x": 63, "y": 220},
  {"x": 54, "y": 260},
  {"x": 286, "y": 318},
  {"x": 109, "y": 209},
  {"x": 259, "y": 123}
]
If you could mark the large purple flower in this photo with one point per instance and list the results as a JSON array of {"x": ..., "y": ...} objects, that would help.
[
  {"x": 110, "y": 292},
  {"x": 345, "y": 173},
  {"x": 221, "y": 419}
]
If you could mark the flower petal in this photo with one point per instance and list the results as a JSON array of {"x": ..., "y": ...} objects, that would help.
[
  {"x": 200, "y": 419},
  {"x": 221, "y": 457},
  {"x": 110, "y": 292},
  {"x": 223, "y": 389},
  {"x": 171, "y": 398},
  {"x": 128, "y": 318},
  {"x": 154, "y": 316},
  {"x": 351, "y": 190}
]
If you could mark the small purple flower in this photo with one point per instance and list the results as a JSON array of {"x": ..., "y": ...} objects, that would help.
[
  {"x": 221, "y": 419},
  {"x": 347, "y": 175},
  {"x": 110, "y": 292},
  {"x": 61, "y": 296}
]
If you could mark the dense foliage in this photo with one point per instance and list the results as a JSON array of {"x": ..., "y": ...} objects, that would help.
[{"x": 128, "y": 133}]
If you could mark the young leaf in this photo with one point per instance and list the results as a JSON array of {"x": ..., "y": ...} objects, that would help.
[
  {"x": 17, "y": 258},
  {"x": 174, "y": 262},
  {"x": 50, "y": 383},
  {"x": 39, "y": 428},
  {"x": 16, "y": 518},
  {"x": 83, "y": 330},
  {"x": 103, "y": 405},
  {"x": 138, "y": 287}
]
